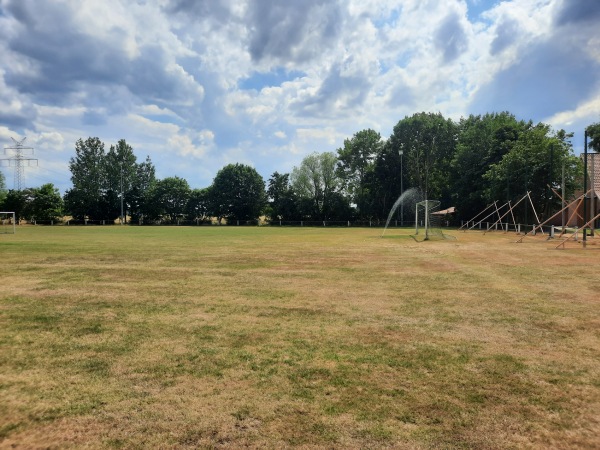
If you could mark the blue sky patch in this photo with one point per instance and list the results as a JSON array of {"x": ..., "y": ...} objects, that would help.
[
  {"x": 276, "y": 77},
  {"x": 476, "y": 7},
  {"x": 390, "y": 20}
]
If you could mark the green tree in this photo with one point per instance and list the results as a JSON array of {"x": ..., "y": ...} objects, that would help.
[
  {"x": 316, "y": 184},
  {"x": 45, "y": 203},
  {"x": 428, "y": 143},
  {"x": 532, "y": 165},
  {"x": 238, "y": 193},
  {"x": 482, "y": 142},
  {"x": 198, "y": 207},
  {"x": 593, "y": 132},
  {"x": 120, "y": 176},
  {"x": 86, "y": 198},
  {"x": 138, "y": 197},
  {"x": 386, "y": 180},
  {"x": 16, "y": 201},
  {"x": 100, "y": 179},
  {"x": 2, "y": 190},
  {"x": 355, "y": 162},
  {"x": 169, "y": 198},
  {"x": 282, "y": 199}
]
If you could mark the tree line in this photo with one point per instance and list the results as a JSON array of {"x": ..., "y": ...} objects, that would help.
[{"x": 467, "y": 164}]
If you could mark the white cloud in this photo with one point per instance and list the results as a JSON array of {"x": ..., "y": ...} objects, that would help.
[
  {"x": 197, "y": 145},
  {"x": 587, "y": 111},
  {"x": 328, "y": 135},
  {"x": 165, "y": 74},
  {"x": 50, "y": 141}
]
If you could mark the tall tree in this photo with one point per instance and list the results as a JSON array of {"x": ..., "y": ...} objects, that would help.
[
  {"x": 138, "y": 197},
  {"x": 88, "y": 175},
  {"x": 120, "y": 169},
  {"x": 198, "y": 207},
  {"x": 101, "y": 178},
  {"x": 238, "y": 193},
  {"x": 534, "y": 163},
  {"x": 316, "y": 184},
  {"x": 281, "y": 197},
  {"x": 386, "y": 180},
  {"x": 355, "y": 161},
  {"x": 428, "y": 142},
  {"x": 482, "y": 141}
]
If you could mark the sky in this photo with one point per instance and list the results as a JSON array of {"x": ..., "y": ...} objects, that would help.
[{"x": 199, "y": 84}]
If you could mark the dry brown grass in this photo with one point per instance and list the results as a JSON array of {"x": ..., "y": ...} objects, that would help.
[{"x": 124, "y": 337}]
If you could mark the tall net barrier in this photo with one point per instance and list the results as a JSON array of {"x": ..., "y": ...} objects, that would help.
[{"x": 428, "y": 221}]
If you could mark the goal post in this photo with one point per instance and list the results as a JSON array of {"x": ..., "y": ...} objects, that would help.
[
  {"x": 428, "y": 224},
  {"x": 7, "y": 222}
]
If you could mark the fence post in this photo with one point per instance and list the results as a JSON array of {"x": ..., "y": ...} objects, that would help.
[
  {"x": 302, "y": 223},
  {"x": 348, "y": 223}
]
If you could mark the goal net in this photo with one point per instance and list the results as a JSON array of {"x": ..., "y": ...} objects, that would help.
[
  {"x": 428, "y": 224},
  {"x": 7, "y": 222}
]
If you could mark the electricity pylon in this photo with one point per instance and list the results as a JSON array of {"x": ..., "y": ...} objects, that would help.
[{"x": 17, "y": 157}]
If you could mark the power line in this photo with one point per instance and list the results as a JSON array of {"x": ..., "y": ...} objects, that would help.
[{"x": 18, "y": 157}]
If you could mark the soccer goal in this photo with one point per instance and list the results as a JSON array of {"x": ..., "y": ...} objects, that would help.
[
  {"x": 428, "y": 224},
  {"x": 7, "y": 222}
]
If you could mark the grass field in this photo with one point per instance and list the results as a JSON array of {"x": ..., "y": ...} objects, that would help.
[{"x": 208, "y": 337}]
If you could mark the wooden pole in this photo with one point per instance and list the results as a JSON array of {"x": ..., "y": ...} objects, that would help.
[
  {"x": 534, "y": 211},
  {"x": 546, "y": 221},
  {"x": 585, "y": 175},
  {"x": 489, "y": 215},
  {"x": 585, "y": 225},
  {"x": 473, "y": 219},
  {"x": 509, "y": 210}
]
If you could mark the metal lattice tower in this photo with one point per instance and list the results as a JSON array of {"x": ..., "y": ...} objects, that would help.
[{"x": 18, "y": 157}]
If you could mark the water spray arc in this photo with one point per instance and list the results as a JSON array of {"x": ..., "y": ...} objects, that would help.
[{"x": 410, "y": 195}]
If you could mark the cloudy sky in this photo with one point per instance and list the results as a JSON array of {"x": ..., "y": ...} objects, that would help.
[{"x": 198, "y": 84}]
